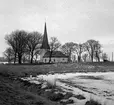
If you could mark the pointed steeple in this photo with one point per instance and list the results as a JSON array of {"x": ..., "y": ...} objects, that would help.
[{"x": 45, "y": 44}]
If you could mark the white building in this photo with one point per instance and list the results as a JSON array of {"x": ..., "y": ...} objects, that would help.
[{"x": 56, "y": 56}]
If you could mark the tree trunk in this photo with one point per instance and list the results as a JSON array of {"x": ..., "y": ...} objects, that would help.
[
  {"x": 9, "y": 59},
  {"x": 19, "y": 61},
  {"x": 19, "y": 58},
  {"x": 31, "y": 58},
  {"x": 92, "y": 55},
  {"x": 50, "y": 56},
  {"x": 79, "y": 58},
  {"x": 69, "y": 57},
  {"x": 98, "y": 59},
  {"x": 85, "y": 60},
  {"x": 15, "y": 58},
  {"x": 92, "y": 58}
]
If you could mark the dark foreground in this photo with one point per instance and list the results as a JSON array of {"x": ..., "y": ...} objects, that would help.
[{"x": 13, "y": 91}]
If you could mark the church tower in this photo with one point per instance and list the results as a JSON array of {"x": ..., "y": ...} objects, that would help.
[{"x": 45, "y": 44}]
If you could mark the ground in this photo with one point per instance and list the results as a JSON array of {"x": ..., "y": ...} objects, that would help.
[{"x": 13, "y": 91}]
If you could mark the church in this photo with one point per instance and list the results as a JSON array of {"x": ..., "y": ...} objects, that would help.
[{"x": 44, "y": 57}]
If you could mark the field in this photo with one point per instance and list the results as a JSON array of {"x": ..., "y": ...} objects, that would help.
[
  {"x": 24, "y": 70},
  {"x": 13, "y": 91}
]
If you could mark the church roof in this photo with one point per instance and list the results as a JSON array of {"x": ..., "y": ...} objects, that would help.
[
  {"x": 45, "y": 44},
  {"x": 57, "y": 54}
]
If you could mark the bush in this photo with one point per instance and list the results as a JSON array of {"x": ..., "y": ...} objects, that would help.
[
  {"x": 92, "y": 102},
  {"x": 68, "y": 95},
  {"x": 56, "y": 97},
  {"x": 65, "y": 102},
  {"x": 80, "y": 97}
]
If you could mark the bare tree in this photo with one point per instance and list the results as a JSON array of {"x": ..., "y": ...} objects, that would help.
[
  {"x": 54, "y": 45},
  {"x": 91, "y": 47},
  {"x": 21, "y": 37},
  {"x": 34, "y": 38},
  {"x": 9, "y": 54},
  {"x": 18, "y": 41},
  {"x": 68, "y": 49},
  {"x": 84, "y": 57},
  {"x": 104, "y": 57},
  {"x": 11, "y": 40},
  {"x": 37, "y": 52},
  {"x": 79, "y": 49},
  {"x": 98, "y": 51}
]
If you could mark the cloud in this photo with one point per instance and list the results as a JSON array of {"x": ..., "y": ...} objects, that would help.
[{"x": 69, "y": 20}]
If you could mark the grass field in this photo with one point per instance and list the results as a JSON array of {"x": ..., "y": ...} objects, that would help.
[
  {"x": 15, "y": 92},
  {"x": 24, "y": 70}
]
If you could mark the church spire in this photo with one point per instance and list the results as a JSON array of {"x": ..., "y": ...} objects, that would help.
[{"x": 45, "y": 44}]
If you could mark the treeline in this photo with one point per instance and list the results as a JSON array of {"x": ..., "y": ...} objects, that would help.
[
  {"x": 90, "y": 51},
  {"x": 25, "y": 47}
]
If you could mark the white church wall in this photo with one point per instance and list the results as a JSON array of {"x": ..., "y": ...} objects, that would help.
[
  {"x": 42, "y": 52},
  {"x": 55, "y": 60}
]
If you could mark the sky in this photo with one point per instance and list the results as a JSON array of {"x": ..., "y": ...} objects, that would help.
[{"x": 68, "y": 20}]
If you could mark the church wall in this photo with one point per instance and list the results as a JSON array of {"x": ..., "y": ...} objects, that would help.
[
  {"x": 42, "y": 52},
  {"x": 55, "y": 60}
]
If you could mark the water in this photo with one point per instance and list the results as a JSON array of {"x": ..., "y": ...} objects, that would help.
[
  {"x": 3, "y": 62},
  {"x": 99, "y": 86}
]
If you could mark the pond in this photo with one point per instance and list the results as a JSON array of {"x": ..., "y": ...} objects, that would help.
[{"x": 98, "y": 86}]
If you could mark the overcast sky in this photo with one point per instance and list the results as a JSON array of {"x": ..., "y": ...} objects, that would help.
[{"x": 68, "y": 20}]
